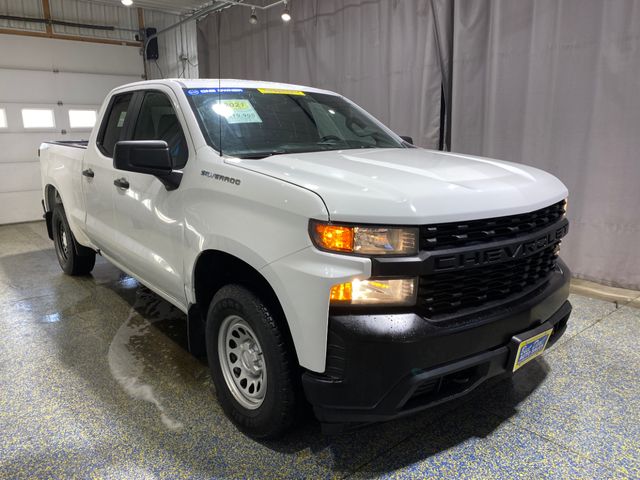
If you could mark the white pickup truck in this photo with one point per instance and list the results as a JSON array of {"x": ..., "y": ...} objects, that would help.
[{"x": 315, "y": 252}]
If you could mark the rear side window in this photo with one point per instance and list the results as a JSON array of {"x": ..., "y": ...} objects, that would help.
[
  {"x": 158, "y": 121},
  {"x": 113, "y": 129}
]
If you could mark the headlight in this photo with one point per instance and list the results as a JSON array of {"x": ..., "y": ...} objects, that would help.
[
  {"x": 396, "y": 292},
  {"x": 364, "y": 240}
]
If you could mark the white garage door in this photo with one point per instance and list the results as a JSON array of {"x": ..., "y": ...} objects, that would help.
[{"x": 49, "y": 90}]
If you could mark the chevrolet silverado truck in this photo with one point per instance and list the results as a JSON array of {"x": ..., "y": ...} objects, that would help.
[{"x": 318, "y": 256}]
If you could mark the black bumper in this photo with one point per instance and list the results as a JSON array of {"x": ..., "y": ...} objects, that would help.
[{"x": 381, "y": 367}]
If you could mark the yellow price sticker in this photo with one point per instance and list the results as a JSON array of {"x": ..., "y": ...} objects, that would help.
[
  {"x": 278, "y": 91},
  {"x": 238, "y": 111}
]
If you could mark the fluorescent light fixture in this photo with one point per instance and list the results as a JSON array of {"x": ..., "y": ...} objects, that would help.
[
  {"x": 3, "y": 118},
  {"x": 38, "y": 118},
  {"x": 82, "y": 118},
  {"x": 127, "y": 3}
]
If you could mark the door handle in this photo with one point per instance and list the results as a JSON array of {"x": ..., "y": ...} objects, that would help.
[
  {"x": 121, "y": 183},
  {"x": 88, "y": 173}
]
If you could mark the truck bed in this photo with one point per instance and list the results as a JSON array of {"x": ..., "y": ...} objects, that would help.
[{"x": 70, "y": 143}]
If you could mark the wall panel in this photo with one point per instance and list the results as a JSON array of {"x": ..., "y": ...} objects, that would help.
[{"x": 53, "y": 74}]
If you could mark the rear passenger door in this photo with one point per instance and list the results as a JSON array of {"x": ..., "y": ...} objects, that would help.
[
  {"x": 149, "y": 218},
  {"x": 98, "y": 173}
]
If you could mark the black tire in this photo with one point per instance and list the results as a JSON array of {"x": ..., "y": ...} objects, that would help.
[
  {"x": 278, "y": 408},
  {"x": 67, "y": 247}
]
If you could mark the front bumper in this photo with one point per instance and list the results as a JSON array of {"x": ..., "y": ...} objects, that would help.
[{"x": 381, "y": 367}]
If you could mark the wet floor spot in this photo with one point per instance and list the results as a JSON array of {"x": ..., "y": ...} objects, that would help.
[
  {"x": 51, "y": 318},
  {"x": 126, "y": 359}
]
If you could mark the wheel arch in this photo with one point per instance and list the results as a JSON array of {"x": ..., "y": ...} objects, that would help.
[
  {"x": 214, "y": 269},
  {"x": 51, "y": 195}
]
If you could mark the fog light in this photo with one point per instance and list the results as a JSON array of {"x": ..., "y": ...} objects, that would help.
[{"x": 375, "y": 292}]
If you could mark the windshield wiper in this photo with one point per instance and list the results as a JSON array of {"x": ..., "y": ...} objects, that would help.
[{"x": 257, "y": 155}]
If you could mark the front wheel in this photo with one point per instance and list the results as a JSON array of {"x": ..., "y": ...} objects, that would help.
[
  {"x": 66, "y": 248},
  {"x": 250, "y": 363}
]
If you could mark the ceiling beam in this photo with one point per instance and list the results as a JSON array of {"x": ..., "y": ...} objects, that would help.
[
  {"x": 46, "y": 12},
  {"x": 77, "y": 38}
]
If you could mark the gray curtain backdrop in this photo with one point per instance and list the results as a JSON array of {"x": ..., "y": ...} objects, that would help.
[
  {"x": 554, "y": 84},
  {"x": 379, "y": 53}
]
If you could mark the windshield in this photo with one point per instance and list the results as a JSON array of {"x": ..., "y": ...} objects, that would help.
[{"x": 256, "y": 123}]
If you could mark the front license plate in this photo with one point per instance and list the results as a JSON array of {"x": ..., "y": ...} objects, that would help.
[{"x": 531, "y": 347}]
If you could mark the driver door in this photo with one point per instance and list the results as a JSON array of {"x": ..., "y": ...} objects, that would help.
[{"x": 149, "y": 218}]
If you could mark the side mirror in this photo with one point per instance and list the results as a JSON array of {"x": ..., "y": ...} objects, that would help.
[
  {"x": 151, "y": 157},
  {"x": 407, "y": 139}
]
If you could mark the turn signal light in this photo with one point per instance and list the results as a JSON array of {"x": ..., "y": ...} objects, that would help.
[
  {"x": 364, "y": 240},
  {"x": 341, "y": 292},
  {"x": 338, "y": 238}
]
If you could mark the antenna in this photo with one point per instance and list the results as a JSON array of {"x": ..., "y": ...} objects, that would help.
[{"x": 220, "y": 77}]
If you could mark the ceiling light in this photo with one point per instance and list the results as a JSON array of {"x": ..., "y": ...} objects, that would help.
[
  {"x": 127, "y": 3},
  {"x": 286, "y": 16},
  {"x": 222, "y": 109},
  {"x": 253, "y": 19}
]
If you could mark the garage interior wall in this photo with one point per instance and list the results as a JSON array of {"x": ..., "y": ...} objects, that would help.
[
  {"x": 545, "y": 83},
  {"x": 556, "y": 85},
  {"x": 177, "y": 48},
  {"x": 54, "y": 75},
  {"x": 379, "y": 53},
  {"x": 59, "y": 75}
]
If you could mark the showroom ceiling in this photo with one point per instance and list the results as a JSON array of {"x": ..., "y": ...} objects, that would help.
[{"x": 182, "y": 7}]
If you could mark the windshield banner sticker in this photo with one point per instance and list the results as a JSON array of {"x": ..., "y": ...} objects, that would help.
[
  {"x": 202, "y": 91},
  {"x": 278, "y": 91}
]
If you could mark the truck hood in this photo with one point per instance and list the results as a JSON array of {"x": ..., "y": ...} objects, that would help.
[{"x": 412, "y": 185}]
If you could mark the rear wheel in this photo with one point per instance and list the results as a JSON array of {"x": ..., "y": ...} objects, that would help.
[
  {"x": 67, "y": 248},
  {"x": 250, "y": 363}
]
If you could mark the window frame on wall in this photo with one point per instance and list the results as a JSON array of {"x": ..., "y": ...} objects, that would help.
[
  {"x": 73, "y": 110},
  {"x": 4, "y": 122},
  {"x": 37, "y": 127}
]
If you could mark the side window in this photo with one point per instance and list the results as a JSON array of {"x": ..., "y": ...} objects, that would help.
[
  {"x": 115, "y": 123},
  {"x": 158, "y": 121}
]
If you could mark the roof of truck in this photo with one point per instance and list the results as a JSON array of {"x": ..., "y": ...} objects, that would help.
[{"x": 227, "y": 83}]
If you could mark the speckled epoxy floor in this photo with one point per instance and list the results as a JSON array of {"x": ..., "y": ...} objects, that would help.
[{"x": 95, "y": 382}]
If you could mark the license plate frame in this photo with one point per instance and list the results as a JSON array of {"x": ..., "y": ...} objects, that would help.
[{"x": 531, "y": 348}]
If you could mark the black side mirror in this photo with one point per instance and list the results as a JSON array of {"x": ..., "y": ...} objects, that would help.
[
  {"x": 407, "y": 139},
  {"x": 151, "y": 157}
]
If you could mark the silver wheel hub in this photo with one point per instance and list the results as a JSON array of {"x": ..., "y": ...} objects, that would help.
[
  {"x": 63, "y": 240},
  {"x": 242, "y": 362}
]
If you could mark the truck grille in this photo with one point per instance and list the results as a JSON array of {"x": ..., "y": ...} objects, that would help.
[
  {"x": 459, "y": 234},
  {"x": 442, "y": 294}
]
